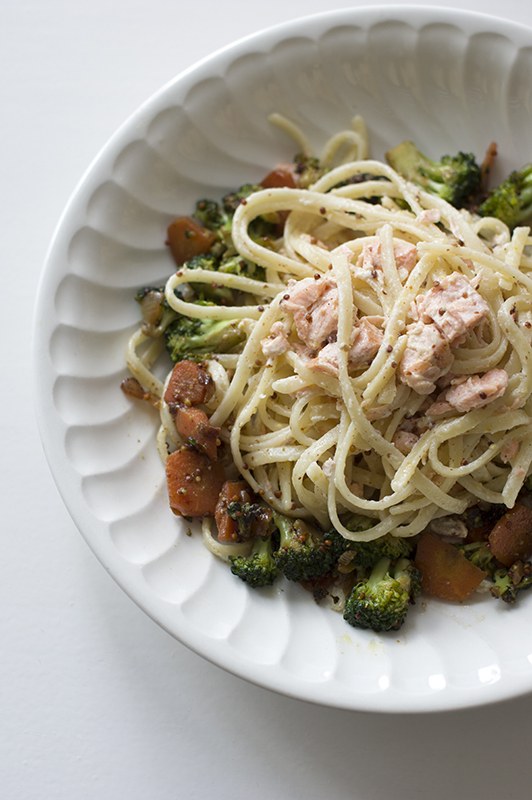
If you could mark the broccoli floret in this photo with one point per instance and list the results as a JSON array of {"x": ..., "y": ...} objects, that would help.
[
  {"x": 481, "y": 518},
  {"x": 212, "y": 215},
  {"x": 481, "y": 556},
  {"x": 200, "y": 338},
  {"x": 509, "y": 583},
  {"x": 308, "y": 170},
  {"x": 236, "y": 265},
  {"x": 260, "y": 228},
  {"x": 208, "y": 261},
  {"x": 381, "y": 601},
  {"x": 259, "y": 568},
  {"x": 232, "y": 200},
  {"x": 455, "y": 179},
  {"x": 219, "y": 219},
  {"x": 506, "y": 583},
  {"x": 304, "y": 552},
  {"x": 210, "y": 292},
  {"x": 224, "y": 259},
  {"x": 511, "y": 201},
  {"x": 366, "y": 554},
  {"x": 253, "y": 519}
]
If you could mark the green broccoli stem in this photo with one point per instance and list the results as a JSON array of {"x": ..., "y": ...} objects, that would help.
[
  {"x": 287, "y": 529},
  {"x": 401, "y": 567},
  {"x": 258, "y": 568},
  {"x": 378, "y": 572},
  {"x": 502, "y": 588}
]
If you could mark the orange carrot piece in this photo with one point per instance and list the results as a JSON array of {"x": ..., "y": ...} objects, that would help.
[
  {"x": 189, "y": 383},
  {"x": 511, "y": 538},
  {"x": 194, "y": 482},
  {"x": 193, "y": 424},
  {"x": 278, "y": 179},
  {"x": 187, "y": 239},
  {"x": 446, "y": 573}
]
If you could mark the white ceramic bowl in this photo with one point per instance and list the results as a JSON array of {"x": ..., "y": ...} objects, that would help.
[{"x": 450, "y": 81}]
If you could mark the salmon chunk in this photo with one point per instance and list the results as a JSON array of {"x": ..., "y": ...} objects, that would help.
[
  {"x": 326, "y": 360},
  {"x": 475, "y": 392},
  {"x": 276, "y": 343},
  {"x": 453, "y": 305},
  {"x": 366, "y": 339},
  {"x": 370, "y": 260},
  {"x": 405, "y": 441},
  {"x": 426, "y": 358},
  {"x": 313, "y": 303}
]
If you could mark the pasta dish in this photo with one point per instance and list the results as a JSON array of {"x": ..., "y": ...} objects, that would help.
[{"x": 383, "y": 364}]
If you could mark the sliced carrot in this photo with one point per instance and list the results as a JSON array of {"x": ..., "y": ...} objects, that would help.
[
  {"x": 446, "y": 573},
  {"x": 189, "y": 383},
  {"x": 194, "y": 482},
  {"x": 187, "y": 239},
  {"x": 194, "y": 426},
  {"x": 511, "y": 537}
]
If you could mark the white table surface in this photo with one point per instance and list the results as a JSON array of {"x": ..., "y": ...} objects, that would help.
[{"x": 96, "y": 700}]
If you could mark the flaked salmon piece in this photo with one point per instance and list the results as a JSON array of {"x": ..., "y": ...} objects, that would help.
[
  {"x": 438, "y": 408},
  {"x": 326, "y": 360},
  {"x": 366, "y": 339},
  {"x": 475, "y": 392},
  {"x": 276, "y": 343},
  {"x": 370, "y": 260},
  {"x": 405, "y": 441},
  {"x": 365, "y": 344},
  {"x": 428, "y": 216},
  {"x": 426, "y": 358},
  {"x": 313, "y": 303},
  {"x": 405, "y": 255},
  {"x": 453, "y": 305}
]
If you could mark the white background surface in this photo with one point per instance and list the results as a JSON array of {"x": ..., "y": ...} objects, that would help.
[{"x": 96, "y": 700}]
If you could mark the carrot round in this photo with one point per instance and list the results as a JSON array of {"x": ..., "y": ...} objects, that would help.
[
  {"x": 446, "y": 573},
  {"x": 194, "y": 483}
]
